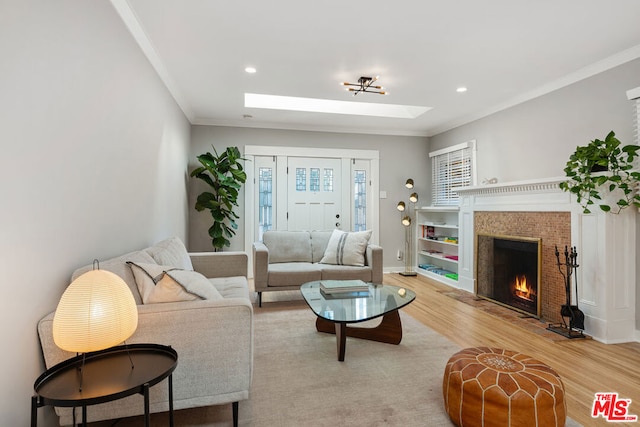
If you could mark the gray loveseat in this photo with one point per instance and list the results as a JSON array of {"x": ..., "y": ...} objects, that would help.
[
  {"x": 284, "y": 260},
  {"x": 213, "y": 337}
]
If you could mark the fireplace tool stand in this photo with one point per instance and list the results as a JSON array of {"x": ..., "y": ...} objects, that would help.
[{"x": 570, "y": 313}]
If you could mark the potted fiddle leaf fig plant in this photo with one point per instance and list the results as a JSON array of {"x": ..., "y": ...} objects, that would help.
[
  {"x": 600, "y": 166},
  {"x": 225, "y": 175}
]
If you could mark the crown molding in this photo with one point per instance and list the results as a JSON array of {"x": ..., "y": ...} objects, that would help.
[
  {"x": 309, "y": 128},
  {"x": 606, "y": 64},
  {"x": 131, "y": 21}
]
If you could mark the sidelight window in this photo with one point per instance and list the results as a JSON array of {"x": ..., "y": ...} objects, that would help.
[{"x": 360, "y": 200}]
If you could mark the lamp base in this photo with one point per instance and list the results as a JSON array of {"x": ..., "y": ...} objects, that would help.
[{"x": 408, "y": 273}]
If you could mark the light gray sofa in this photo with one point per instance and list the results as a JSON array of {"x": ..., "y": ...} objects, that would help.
[
  {"x": 284, "y": 260},
  {"x": 213, "y": 337}
]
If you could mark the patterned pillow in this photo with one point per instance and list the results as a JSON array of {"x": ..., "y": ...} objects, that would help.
[
  {"x": 346, "y": 248},
  {"x": 161, "y": 283}
]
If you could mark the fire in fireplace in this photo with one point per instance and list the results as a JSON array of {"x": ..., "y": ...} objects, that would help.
[
  {"x": 508, "y": 271},
  {"x": 522, "y": 289}
]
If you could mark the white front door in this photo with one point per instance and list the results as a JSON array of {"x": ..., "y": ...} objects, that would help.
[{"x": 314, "y": 194}]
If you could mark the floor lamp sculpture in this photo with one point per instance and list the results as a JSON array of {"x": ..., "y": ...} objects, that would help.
[{"x": 406, "y": 213}]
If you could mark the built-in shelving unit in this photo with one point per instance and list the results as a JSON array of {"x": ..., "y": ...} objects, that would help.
[{"x": 437, "y": 243}]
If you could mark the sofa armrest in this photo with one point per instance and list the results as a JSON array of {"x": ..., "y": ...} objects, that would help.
[
  {"x": 214, "y": 342},
  {"x": 213, "y": 338},
  {"x": 260, "y": 265},
  {"x": 374, "y": 260},
  {"x": 220, "y": 264}
]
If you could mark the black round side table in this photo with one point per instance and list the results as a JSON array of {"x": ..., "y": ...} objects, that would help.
[{"x": 106, "y": 375}]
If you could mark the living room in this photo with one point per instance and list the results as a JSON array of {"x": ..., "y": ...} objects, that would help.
[{"x": 98, "y": 153}]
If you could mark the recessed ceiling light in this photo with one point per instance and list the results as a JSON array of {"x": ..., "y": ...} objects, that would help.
[
  {"x": 461, "y": 89},
  {"x": 291, "y": 103},
  {"x": 250, "y": 70}
]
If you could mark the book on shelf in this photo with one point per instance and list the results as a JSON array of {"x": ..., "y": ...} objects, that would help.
[
  {"x": 439, "y": 271},
  {"x": 333, "y": 287},
  {"x": 428, "y": 232}
]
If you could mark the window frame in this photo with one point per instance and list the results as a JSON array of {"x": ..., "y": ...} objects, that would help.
[{"x": 441, "y": 161}]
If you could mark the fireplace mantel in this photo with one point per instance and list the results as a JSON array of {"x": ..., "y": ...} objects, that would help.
[
  {"x": 606, "y": 244},
  {"x": 548, "y": 184}
]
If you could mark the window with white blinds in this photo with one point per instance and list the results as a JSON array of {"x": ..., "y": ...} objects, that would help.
[{"x": 452, "y": 168}]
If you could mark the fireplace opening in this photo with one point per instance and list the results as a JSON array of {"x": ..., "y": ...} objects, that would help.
[{"x": 508, "y": 271}]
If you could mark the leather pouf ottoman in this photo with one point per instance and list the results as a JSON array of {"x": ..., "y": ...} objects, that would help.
[{"x": 494, "y": 387}]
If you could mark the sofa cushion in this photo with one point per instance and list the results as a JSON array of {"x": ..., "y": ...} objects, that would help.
[
  {"x": 161, "y": 283},
  {"x": 319, "y": 241},
  {"x": 171, "y": 252},
  {"x": 346, "y": 248},
  {"x": 231, "y": 287},
  {"x": 119, "y": 266},
  {"x": 346, "y": 272},
  {"x": 288, "y": 246},
  {"x": 293, "y": 273}
]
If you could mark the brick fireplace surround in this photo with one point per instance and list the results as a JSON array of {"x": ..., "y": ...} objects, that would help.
[
  {"x": 606, "y": 245},
  {"x": 553, "y": 228}
]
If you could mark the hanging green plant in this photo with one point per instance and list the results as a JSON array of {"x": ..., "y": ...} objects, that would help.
[
  {"x": 225, "y": 176},
  {"x": 603, "y": 166}
]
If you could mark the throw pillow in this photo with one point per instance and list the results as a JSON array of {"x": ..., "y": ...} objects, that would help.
[
  {"x": 161, "y": 283},
  {"x": 346, "y": 248},
  {"x": 171, "y": 252}
]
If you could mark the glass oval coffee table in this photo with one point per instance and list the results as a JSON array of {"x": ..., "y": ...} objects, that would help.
[{"x": 336, "y": 311}]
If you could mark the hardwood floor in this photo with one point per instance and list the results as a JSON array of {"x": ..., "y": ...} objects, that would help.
[{"x": 585, "y": 366}]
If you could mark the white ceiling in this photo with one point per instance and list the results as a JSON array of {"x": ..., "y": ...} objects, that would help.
[{"x": 503, "y": 51}]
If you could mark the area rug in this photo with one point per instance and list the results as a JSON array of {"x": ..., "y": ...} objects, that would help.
[{"x": 298, "y": 380}]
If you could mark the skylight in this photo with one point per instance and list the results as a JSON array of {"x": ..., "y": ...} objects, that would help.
[{"x": 292, "y": 103}]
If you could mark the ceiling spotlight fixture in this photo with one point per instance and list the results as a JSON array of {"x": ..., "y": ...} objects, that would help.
[
  {"x": 461, "y": 89},
  {"x": 250, "y": 70},
  {"x": 365, "y": 84}
]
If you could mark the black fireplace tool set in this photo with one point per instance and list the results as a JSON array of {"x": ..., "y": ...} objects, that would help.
[{"x": 569, "y": 312}]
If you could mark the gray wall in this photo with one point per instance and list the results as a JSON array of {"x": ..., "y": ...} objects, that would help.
[
  {"x": 94, "y": 163},
  {"x": 534, "y": 139},
  {"x": 401, "y": 157}
]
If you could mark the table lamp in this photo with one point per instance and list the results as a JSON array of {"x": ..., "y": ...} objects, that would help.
[{"x": 96, "y": 311}]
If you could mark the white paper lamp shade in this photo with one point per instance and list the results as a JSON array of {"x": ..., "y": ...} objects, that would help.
[{"x": 96, "y": 311}]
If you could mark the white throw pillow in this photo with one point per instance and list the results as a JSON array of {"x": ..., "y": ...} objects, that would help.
[
  {"x": 346, "y": 248},
  {"x": 171, "y": 252},
  {"x": 161, "y": 283}
]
